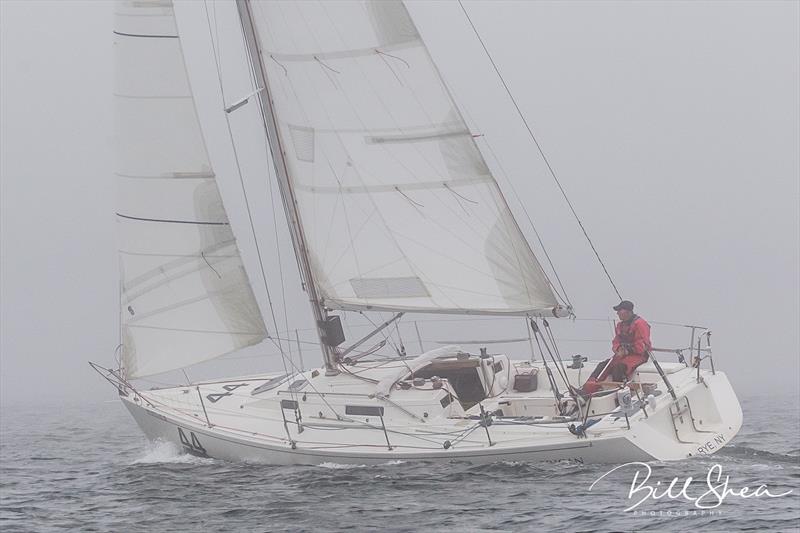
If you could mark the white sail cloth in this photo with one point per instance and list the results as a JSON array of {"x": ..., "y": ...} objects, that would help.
[
  {"x": 400, "y": 211},
  {"x": 185, "y": 295}
]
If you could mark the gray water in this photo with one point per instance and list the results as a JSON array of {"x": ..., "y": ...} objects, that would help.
[{"x": 88, "y": 468}]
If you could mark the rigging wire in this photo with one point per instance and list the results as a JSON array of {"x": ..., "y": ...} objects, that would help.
[
  {"x": 550, "y": 378},
  {"x": 278, "y": 253},
  {"x": 402, "y": 352},
  {"x": 539, "y": 148},
  {"x": 275, "y": 341},
  {"x": 387, "y": 337},
  {"x": 254, "y": 85},
  {"x": 565, "y": 296},
  {"x": 562, "y": 296}
]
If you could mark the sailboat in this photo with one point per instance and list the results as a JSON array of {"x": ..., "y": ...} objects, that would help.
[{"x": 391, "y": 208}]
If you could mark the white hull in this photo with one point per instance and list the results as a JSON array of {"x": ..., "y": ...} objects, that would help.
[
  {"x": 232, "y": 424},
  {"x": 219, "y": 445}
]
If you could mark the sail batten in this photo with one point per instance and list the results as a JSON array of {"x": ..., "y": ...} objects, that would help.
[
  {"x": 165, "y": 221},
  {"x": 171, "y": 176},
  {"x": 399, "y": 209},
  {"x": 343, "y": 54},
  {"x": 392, "y": 188},
  {"x": 186, "y": 297}
]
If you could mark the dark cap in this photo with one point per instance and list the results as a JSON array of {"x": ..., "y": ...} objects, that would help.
[{"x": 624, "y": 304}]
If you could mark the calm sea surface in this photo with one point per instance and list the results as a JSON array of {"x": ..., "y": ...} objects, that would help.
[{"x": 88, "y": 468}]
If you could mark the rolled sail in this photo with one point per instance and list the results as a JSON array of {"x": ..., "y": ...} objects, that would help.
[
  {"x": 185, "y": 294},
  {"x": 399, "y": 209}
]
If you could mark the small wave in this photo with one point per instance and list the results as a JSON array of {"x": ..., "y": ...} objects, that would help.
[
  {"x": 347, "y": 466},
  {"x": 168, "y": 452},
  {"x": 754, "y": 453},
  {"x": 340, "y": 466}
]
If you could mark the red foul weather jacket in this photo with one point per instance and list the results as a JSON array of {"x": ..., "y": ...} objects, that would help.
[{"x": 633, "y": 335}]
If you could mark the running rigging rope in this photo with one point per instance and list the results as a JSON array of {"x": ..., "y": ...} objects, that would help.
[{"x": 539, "y": 148}]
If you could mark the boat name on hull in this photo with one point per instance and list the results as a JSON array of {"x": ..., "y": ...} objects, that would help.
[{"x": 712, "y": 445}]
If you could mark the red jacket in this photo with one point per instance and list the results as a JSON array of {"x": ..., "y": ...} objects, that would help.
[{"x": 634, "y": 335}]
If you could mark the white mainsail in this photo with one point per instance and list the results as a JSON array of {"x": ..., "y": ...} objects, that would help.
[
  {"x": 399, "y": 209},
  {"x": 185, "y": 295}
]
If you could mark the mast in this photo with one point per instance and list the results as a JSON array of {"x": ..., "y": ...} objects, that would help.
[{"x": 285, "y": 185}]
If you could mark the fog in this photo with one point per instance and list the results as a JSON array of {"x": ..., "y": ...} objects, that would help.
[{"x": 673, "y": 127}]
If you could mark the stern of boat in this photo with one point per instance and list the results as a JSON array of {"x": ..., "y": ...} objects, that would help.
[{"x": 702, "y": 418}]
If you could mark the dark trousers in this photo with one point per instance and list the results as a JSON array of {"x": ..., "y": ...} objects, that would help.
[{"x": 620, "y": 369}]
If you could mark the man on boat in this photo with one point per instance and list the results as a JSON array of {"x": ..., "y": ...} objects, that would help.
[{"x": 631, "y": 346}]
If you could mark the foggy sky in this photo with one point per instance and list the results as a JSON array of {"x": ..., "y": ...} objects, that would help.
[{"x": 674, "y": 127}]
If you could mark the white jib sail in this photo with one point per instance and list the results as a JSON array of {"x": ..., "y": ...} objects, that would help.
[
  {"x": 185, "y": 295},
  {"x": 399, "y": 208}
]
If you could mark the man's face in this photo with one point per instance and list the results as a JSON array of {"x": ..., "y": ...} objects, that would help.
[{"x": 624, "y": 314}]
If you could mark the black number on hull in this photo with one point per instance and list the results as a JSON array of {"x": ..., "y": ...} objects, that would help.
[{"x": 191, "y": 444}]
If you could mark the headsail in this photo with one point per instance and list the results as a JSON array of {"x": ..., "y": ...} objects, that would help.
[
  {"x": 399, "y": 209},
  {"x": 185, "y": 295}
]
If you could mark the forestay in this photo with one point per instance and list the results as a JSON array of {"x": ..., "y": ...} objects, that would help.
[
  {"x": 185, "y": 295},
  {"x": 399, "y": 209}
]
